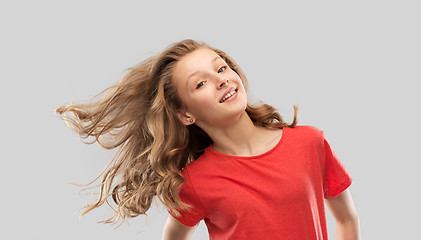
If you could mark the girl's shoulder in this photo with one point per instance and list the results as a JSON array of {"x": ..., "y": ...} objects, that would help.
[
  {"x": 196, "y": 164},
  {"x": 305, "y": 134},
  {"x": 307, "y": 130}
]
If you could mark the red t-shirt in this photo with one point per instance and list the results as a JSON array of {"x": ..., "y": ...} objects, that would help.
[{"x": 275, "y": 195}]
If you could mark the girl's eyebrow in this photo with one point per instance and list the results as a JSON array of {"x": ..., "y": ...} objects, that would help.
[{"x": 196, "y": 72}]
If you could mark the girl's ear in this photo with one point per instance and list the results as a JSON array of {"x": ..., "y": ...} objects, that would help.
[{"x": 184, "y": 117}]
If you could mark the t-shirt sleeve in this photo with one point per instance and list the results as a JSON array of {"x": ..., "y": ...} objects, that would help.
[
  {"x": 336, "y": 179},
  {"x": 189, "y": 217}
]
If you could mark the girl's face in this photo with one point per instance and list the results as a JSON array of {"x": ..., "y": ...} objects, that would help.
[{"x": 203, "y": 79}]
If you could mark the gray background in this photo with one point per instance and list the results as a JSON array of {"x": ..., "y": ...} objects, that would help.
[{"x": 352, "y": 66}]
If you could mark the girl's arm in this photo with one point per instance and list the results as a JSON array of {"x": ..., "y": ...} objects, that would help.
[
  {"x": 346, "y": 216},
  {"x": 174, "y": 230}
]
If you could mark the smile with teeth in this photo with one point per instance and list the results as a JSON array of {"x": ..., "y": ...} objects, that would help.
[{"x": 228, "y": 95}]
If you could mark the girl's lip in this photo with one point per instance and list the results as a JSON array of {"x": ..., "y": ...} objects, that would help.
[
  {"x": 226, "y": 92},
  {"x": 232, "y": 97}
]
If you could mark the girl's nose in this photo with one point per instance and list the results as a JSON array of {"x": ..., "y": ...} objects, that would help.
[{"x": 222, "y": 81}]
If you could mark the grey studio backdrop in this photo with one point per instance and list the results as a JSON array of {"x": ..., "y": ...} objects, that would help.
[{"x": 352, "y": 66}]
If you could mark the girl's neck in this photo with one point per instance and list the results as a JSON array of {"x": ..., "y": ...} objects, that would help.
[{"x": 242, "y": 138}]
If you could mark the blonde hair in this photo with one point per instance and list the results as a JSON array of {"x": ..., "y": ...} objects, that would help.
[{"x": 138, "y": 115}]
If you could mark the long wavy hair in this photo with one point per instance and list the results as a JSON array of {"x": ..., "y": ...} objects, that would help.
[{"x": 138, "y": 115}]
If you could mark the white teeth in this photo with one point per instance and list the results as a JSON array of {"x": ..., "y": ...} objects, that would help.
[{"x": 228, "y": 95}]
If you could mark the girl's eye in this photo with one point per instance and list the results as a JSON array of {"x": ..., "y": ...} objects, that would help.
[
  {"x": 223, "y": 68},
  {"x": 198, "y": 85}
]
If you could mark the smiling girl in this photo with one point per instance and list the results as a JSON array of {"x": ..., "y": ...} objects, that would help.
[{"x": 187, "y": 134}]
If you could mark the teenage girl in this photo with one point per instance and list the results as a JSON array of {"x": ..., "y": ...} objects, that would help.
[{"x": 187, "y": 134}]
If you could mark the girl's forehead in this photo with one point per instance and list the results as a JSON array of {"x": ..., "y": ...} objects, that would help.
[
  {"x": 194, "y": 62},
  {"x": 202, "y": 55}
]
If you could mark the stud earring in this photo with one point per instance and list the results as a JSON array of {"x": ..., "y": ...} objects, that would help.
[{"x": 191, "y": 120}]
